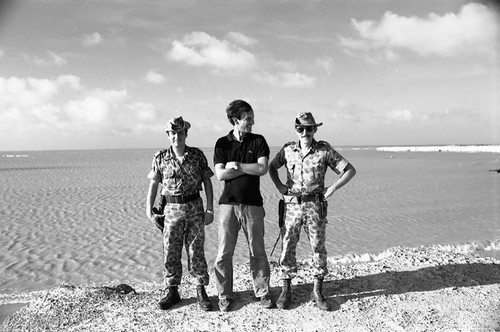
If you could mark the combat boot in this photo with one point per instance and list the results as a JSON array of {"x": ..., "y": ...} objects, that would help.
[
  {"x": 285, "y": 298},
  {"x": 170, "y": 299},
  {"x": 203, "y": 299},
  {"x": 317, "y": 294}
]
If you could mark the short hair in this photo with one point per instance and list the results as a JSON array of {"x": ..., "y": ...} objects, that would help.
[{"x": 235, "y": 108}]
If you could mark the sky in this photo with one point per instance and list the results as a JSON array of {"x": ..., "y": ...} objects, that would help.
[{"x": 106, "y": 74}]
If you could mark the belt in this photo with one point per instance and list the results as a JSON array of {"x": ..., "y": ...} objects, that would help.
[
  {"x": 299, "y": 199},
  {"x": 181, "y": 199}
]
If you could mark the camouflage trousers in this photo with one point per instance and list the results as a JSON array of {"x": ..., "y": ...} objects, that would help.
[
  {"x": 184, "y": 225},
  {"x": 306, "y": 215}
]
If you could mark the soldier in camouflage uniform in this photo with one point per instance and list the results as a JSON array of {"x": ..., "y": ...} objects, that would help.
[
  {"x": 304, "y": 195},
  {"x": 181, "y": 170}
]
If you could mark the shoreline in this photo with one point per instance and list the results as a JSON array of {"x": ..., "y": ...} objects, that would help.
[
  {"x": 493, "y": 147},
  {"x": 424, "y": 288},
  {"x": 486, "y": 148}
]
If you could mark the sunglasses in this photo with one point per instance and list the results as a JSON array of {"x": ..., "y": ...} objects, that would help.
[{"x": 300, "y": 130}]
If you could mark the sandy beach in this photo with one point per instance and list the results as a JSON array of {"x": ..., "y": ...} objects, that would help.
[
  {"x": 434, "y": 288},
  {"x": 71, "y": 217},
  {"x": 85, "y": 233}
]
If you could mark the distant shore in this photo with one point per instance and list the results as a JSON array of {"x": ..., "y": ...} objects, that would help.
[
  {"x": 431, "y": 288},
  {"x": 443, "y": 148}
]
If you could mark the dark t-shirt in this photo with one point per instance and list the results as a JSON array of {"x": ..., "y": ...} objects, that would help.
[{"x": 244, "y": 189}]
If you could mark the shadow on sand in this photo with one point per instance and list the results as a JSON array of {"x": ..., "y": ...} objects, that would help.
[{"x": 387, "y": 283}]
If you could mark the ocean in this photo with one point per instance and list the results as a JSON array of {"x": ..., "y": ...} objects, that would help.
[{"x": 78, "y": 217}]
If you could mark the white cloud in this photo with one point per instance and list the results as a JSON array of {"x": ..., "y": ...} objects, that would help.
[
  {"x": 64, "y": 106},
  {"x": 400, "y": 115},
  {"x": 90, "y": 110},
  {"x": 241, "y": 39},
  {"x": 348, "y": 111},
  {"x": 154, "y": 77},
  {"x": 326, "y": 63},
  {"x": 73, "y": 82},
  {"x": 472, "y": 29},
  {"x": 296, "y": 80},
  {"x": 200, "y": 49},
  {"x": 92, "y": 39},
  {"x": 2, "y": 53},
  {"x": 143, "y": 111},
  {"x": 285, "y": 80},
  {"x": 52, "y": 59}
]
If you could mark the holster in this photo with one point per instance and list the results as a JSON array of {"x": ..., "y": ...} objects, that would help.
[
  {"x": 281, "y": 213},
  {"x": 163, "y": 203},
  {"x": 323, "y": 209},
  {"x": 158, "y": 218}
]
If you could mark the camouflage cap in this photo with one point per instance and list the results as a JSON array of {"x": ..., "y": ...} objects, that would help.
[
  {"x": 306, "y": 120},
  {"x": 177, "y": 124}
]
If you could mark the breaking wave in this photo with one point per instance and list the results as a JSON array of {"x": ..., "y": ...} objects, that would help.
[
  {"x": 443, "y": 148},
  {"x": 471, "y": 247}
]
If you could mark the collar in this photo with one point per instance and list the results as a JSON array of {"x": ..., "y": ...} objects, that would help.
[
  {"x": 313, "y": 147},
  {"x": 230, "y": 136},
  {"x": 171, "y": 154}
]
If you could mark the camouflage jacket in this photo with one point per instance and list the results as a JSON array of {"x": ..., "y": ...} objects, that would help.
[
  {"x": 306, "y": 172},
  {"x": 180, "y": 178}
]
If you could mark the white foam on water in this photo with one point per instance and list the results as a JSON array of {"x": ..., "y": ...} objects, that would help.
[
  {"x": 463, "y": 248},
  {"x": 443, "y": 148}
]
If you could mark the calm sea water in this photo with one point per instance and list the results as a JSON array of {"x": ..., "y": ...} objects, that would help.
[{"x": 78, "y": 216}]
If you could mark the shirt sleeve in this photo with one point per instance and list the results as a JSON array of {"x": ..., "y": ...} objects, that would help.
[
  {"x": 154, "y": 173},
  {"x": 263, "y": 148},
  {"x": 220, "y": 151},
  {"x": 205, "y": 169},
  {"x": 336, "y": 162},
  {"x": 280, "y": 159}
]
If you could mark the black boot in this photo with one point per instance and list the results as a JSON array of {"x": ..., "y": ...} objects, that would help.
[
  {"x": 203, "y": 299},
  {"x": 285, "y": 298},
  {"x": 170, "y": 299},
  {"x": 317, "y": 294}
]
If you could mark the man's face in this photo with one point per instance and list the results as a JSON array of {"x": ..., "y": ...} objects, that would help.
[
  {"x": 177, "y": 138},
  {"x": 305, "y": 134},
  {"x": 245, "y": 124}
]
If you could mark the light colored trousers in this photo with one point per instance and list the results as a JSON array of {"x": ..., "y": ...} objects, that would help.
[{"x": 250, "y": 218}]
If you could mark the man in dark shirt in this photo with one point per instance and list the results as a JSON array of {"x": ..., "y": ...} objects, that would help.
[{"x": 240, "y": 160}]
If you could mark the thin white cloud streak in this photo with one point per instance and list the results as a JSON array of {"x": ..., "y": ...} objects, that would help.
[
  {"x": 325, "y": 63},
  {"x": 399, "y": 116},
  {"x": 52, "y": 59},
  {"x": 92, "y": 39},
  {"x": 285, "y": 80},
  {"x": 472, "y": 29},
  {"x": 241, "y": 39},
  {"x": 200, "y": 49},
  {"x": 63, "y": 106},
  {"x": 154, "y": 77}
]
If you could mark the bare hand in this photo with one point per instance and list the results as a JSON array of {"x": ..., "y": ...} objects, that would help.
[
  {"x": 283, "y": 189},
  {"x": 209, "y": 218},
  {"x": 157, "y": 218},
  {"x": 232, "y": 164},
  {"x": 159, "y": 221},
  {"x": 328, "y": 192}
]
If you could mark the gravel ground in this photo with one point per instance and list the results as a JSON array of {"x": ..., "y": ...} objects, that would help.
[{"x": 406, "y": 289}]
